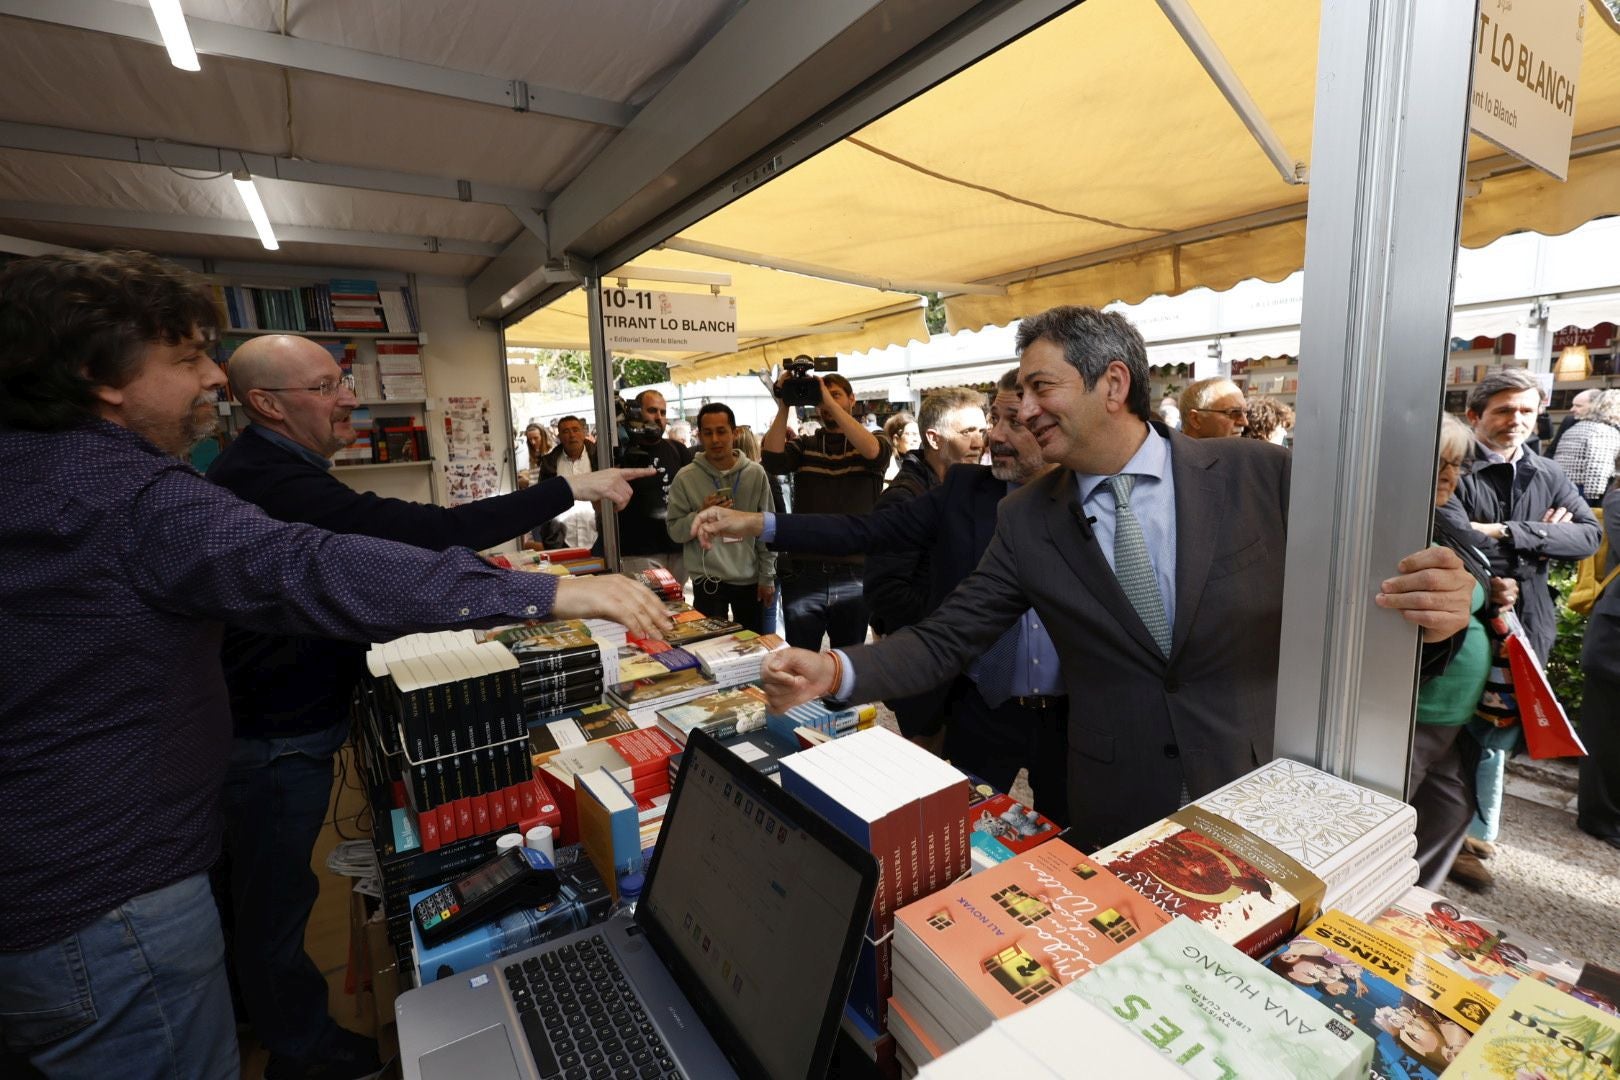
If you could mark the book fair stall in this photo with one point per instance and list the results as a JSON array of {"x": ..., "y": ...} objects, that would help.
[{"x": 597, "y": 853}]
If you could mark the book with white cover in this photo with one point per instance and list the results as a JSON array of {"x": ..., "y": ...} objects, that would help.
[{"x": 1331, "y": 826}]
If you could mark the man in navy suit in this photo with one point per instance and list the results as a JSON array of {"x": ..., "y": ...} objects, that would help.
[
  {"x": 1154, "y": 562},
  {"x": 290, "y": 695},
  {"x": 1009, "y": 710}
]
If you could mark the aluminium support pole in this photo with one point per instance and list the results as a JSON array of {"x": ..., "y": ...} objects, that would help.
[
  {"x": 607, "y": 427},
  {"x": 1391, "y": 124}
]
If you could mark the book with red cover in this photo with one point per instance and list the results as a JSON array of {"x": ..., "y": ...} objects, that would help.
[
  {"x": 1186, "y": 872},
  {"x": 992, "y": 943}
]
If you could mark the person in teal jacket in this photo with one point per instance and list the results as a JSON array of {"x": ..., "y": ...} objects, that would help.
[{"x": 732, "y": 579}]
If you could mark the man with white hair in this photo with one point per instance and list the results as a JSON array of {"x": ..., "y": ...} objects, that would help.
[{"x": 1213, "y": 409}]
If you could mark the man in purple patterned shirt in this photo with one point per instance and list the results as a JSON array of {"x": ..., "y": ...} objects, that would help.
[{"x": 119, "y": 566}]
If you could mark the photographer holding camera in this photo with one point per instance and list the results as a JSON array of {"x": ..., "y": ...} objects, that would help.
[
  {"x": 837, "y": 470},
  {"x": 643, "y": 535}
]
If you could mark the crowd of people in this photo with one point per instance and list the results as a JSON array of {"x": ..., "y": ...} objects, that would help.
[{"x": 1050, "y": 578}]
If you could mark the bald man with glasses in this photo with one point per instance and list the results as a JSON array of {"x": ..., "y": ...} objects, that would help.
[{"x": 290, "y": 696}]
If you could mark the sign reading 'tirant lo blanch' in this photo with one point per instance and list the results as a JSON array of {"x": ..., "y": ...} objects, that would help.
[
  {"x": 1529, "y": 57},
  {"x": 669, "y": 322}
]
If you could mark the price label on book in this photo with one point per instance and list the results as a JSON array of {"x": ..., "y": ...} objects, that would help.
[{"x": 669, "y": 321}]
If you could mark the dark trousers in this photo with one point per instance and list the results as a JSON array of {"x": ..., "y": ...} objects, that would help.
[
  {"x": 994, "y": 744},
  {"x": 275, "y": 807},
  {"x": 1441, "y": 787},
  {"x": 1598, "y": 798},
  {"x": 723, "y": 600},
  {"x": 823, "y": 598}
]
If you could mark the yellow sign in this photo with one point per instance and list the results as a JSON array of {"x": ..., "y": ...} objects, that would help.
[{"x": 1525, "y": 70}]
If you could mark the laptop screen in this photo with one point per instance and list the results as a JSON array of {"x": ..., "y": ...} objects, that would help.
[{"x": 762, "y": 903}]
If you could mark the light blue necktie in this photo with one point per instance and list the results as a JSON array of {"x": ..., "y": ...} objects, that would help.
[{"x": 1132, "y": 566}]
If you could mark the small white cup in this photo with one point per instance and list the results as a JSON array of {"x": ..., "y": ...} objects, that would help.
[{"x": 539, "y": 839}]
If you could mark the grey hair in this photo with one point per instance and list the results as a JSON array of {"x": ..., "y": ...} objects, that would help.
[
  {"x": 1456, "y": 438},
  {"x": 1605, "y": 409},
  {"x": 939, "y": 403},
  {"x": 1509, "y": 380},
  {"x": 1091, "y": 340},
  {"x": 1198, "y": 395}
]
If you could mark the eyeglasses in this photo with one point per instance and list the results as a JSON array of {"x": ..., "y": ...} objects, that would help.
[
  {"x": 326, "y": 387},
  {"x": 1233, "y": 415}
]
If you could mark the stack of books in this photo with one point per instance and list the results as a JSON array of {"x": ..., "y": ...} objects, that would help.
[
  {"x": 1418, "y": 1014},
  {"x": 1177, "y": 1003},
  {"x": 661, "y": 582},
  {"x": 985, "y": 947},
  {"x": 638, "y": 760},
  {"x": 907, "y": 807},
  {"x": 460, "y": 718},
  {"x": 735, "y": 658},
  {"x": 576, "y": 728},
  {"x": 736, "y": 710},
  {"x": 643, "y": 698},
  {"x": 814, "y": 722},
  {"x": 560, "y": 665},
  {"x": 1258, "y": 859},
  {"x": 399, "y": 365}
]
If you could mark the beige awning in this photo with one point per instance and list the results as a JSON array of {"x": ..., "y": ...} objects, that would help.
[{"x": 1094, "y": 161}]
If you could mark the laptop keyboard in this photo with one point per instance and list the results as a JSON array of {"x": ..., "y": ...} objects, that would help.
[{"x": 582, "y": 1019}]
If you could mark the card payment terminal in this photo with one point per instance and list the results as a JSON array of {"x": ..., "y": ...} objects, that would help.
[{"x": 517, "y": 877}]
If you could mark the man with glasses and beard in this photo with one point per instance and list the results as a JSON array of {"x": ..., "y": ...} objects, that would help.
[{"x": 290, "y": 695}]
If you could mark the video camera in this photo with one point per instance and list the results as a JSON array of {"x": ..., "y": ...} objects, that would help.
[
  {"x": 637, "y": 437},
  {"x": 801, "y": 387}
]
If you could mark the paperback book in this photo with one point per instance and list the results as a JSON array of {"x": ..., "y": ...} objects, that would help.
[
  {"x": 1215, "y": 1012},
  {"x": 1198, "y": 865},
  {"x": 1419, "y": 1013},
  {"x": 1540, "y": 1033},
  {"x": 987, "y": 946}
]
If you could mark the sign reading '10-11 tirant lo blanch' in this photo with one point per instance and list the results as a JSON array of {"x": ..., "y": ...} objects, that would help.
[
  {"x": 669, "y": 321},
  {"x": 1527, "y": 62}
]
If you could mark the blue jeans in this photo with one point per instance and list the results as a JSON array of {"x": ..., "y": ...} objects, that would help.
[
  {"x": 1496, "y": 745},
  {"x": 140, "y": 992},
  {"x": 823, "y": 597},
  {"x": 276, "y": 796}
]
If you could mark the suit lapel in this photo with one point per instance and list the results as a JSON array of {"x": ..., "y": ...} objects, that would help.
[
  {"x": 1200, "y": 506},
  {"x": 1086, "y": 559}
]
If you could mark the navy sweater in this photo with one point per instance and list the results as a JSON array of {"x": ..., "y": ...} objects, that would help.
[{"x": 283, "y": 686}]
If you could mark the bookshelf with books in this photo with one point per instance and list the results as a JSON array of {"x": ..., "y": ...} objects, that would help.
[{"x": 372, "y": 331}]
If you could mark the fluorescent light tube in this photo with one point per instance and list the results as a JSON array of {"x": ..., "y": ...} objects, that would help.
[
  {"x": 171, "y": 23},
  {"x": 255, "y": 208}
]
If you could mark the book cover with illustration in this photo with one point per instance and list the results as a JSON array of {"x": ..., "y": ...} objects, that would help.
[
  {"x": 1333, "y": 828},
  {"x": 1200, "y": 866},
  {"x": 692, "y": 682},
  {"x": 1540, "y": 1033},
  {"x": 1479, "y": 948},
  {"x": 1217, "y": 1013},
  {"x": 1001, "y": 827},
  {"x": 736, "y": 710},
  {"x": 1419, "y": 1013},
  {"x": 997, "y": 941}
]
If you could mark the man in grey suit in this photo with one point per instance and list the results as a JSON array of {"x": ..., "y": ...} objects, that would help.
[{"x": 1155, "y": 562}]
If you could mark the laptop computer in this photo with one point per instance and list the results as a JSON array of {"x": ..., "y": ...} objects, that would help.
[{"x": 737, "y": 960}]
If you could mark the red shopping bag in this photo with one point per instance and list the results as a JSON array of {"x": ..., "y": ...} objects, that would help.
[{"x": 1547, "y": 731}]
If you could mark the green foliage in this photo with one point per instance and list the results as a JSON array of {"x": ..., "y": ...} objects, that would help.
[
  {"x": 1564, "y": 663},
  {"x": 570, "y": 369}
]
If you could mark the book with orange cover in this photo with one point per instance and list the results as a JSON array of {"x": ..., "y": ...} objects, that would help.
[{"x": 988, "y": 945}]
